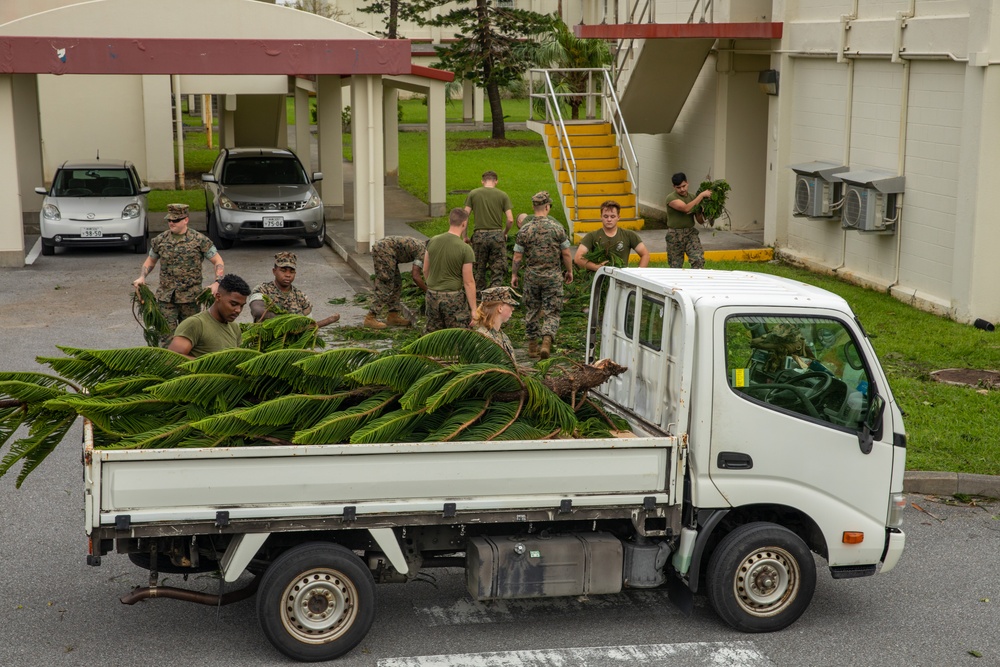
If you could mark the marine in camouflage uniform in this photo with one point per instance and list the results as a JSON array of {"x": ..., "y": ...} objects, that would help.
[
  {"x": 451, "y": 292},
  {"x": 387, "y": 255},
  {"x": 289, "y": 300},
  {"x": 180, "y": 251},
  {"x": 544, "y": 246},
  {"x": 682, "y": 235},
  {"x": 489, "y": 206}
]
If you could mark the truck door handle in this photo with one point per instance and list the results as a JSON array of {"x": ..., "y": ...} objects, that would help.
[{"x": 734, "y": 461}]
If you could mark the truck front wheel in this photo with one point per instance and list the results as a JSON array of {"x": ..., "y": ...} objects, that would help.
[
  {"x": 316, "y": 602},
  {"x": 761, "y": 578}
]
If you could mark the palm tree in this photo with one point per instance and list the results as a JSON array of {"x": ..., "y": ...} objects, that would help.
[{"x": 564, "y": 50}]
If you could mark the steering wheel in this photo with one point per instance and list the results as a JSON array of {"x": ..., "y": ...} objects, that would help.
[
  {"x": 769, "y": 391},
  {"x": 811, "y": 391}
]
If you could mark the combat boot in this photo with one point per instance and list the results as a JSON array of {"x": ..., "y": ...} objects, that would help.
[
  {"x": 373, "y": 322},
  {"x": 397, "y": 320},
  {"x": 546, "y": 347},
  {"x": 533, "y": 348}
]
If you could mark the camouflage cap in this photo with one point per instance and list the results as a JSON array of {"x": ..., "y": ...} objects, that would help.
[
  {"x": 541, "y": 198},
  {"x": 286, "y": 259},
  {"x": 501, "y": 294},
  {"x": 176, "y": 212}
]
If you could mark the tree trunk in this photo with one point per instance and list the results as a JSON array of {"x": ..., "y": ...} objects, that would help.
[
  {"x": 393, "y": 18},
  {"x": 496, "y": 109}
]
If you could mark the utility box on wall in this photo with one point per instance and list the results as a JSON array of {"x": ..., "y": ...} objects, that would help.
[
  {"x": 817, "y": 189},
  {"x": 871, "y": 200}
]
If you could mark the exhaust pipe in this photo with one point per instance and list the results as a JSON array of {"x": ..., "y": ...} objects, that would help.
[{"x": 139, "y": 594}]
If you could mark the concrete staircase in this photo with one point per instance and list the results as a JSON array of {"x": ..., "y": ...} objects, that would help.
[{"x": 600, "y": 176}]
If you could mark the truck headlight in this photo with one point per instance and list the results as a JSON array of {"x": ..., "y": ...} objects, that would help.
[
  {"x": 51, "y": 212},
  {"x": 897, "y": 503}
]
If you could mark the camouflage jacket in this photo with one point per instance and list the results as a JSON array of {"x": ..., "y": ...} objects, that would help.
[
  {"x": 294, "y": 301},
  {"x": 541, "y": 240},
  {"x": 403, "y": 248},
  {"x": 180, "y": 260}
]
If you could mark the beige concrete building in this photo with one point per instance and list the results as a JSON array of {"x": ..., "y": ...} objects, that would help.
[{"x": 898, "y": 97}]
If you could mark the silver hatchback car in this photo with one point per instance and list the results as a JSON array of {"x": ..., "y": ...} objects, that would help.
[
  {"x": 97, "y": 203},
  {"x": 262, "y": 193}
]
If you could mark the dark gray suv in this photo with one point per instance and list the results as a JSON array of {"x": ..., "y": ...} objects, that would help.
[{"x": 262, "y": 193}]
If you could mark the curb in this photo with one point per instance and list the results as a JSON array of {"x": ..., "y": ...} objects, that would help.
[{"x": 951, "y": 483}]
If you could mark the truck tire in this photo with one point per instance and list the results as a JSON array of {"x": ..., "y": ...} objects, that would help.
[
  {"x": 761, "y": 578},
  {"x": 316, "y": 601}
]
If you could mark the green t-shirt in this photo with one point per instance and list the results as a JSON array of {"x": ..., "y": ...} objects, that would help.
[
  {"x": 489, "y": 208},
  {"x": 621, "y": 244},
  {"x": 446, "y": 254},
  {"x": 207, "y": 334},
  {"x": 679, "y": 219}
]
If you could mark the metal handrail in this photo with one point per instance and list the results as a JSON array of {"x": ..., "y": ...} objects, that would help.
[
  {"x": 552, "y": 111},
  {"x": 614, "y": 115},
  {"x": 619, "y": 59}
]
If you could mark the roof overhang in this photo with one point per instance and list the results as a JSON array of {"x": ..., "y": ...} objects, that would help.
[
  {"x": 119, "y": 55},
  {"x": 680, "y": 31}
]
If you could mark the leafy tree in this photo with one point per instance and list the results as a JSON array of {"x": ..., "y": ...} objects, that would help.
[{"x": 564, "y": 50}]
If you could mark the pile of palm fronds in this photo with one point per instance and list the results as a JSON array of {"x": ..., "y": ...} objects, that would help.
[
  {"x": 453, "y": 384},
  {"x": 713, "y": 206},
  {"x": 147, "y": 313}
]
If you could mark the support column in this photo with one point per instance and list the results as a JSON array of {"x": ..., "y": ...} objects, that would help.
[
  {"x": 28, "y": 133},
  {"x": 158, "y": 167},
  {"x": 329, "y": 104},
  {"x": 478, "y": 95},
  {"x": 303, "y": 137},
  {"x": 368, "y": 149},
  {"x": 11, "y": 225},
  {"x": 227, "y": 122},
  {"x": 436, "y": 176},
  {"x": 390, "y": 120},
  {"x": 468, "y": 101}
]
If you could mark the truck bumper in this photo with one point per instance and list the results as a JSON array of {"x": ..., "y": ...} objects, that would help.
[{"x": 895, "y": 540}]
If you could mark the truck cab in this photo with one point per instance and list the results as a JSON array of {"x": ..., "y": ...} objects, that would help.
[{"x": 776, "y": 394}]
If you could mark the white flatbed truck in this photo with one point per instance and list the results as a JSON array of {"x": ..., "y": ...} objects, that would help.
[{"x": 764, "y": 431}]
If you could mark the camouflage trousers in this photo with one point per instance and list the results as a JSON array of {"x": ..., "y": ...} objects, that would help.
[
  {"x": 447, "y": 310},
  {"x": 388, "y": 282},
  {"x": 491, "y": 254},
  {"x": 682, "y": 242},
  {"x": 543, "y": 303},
  {"x": 175, "y": 313}
]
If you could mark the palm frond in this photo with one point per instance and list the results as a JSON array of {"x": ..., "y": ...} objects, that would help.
[
  {"x": 499, "y": 418},
  {"x": 391, "y": 427},
  {"x": 224, "y": 361},
  {"x": 154, "y": 324},
  {"x": 463, "y": 415},
  {"x": 464, "y": 345},
  {"x": 294, "y": 412},
  {"x": 336, "y": 364},
  {"x": 84, "y": 372},
  {"x": 277, "y": 364},
  {"x": 340, "y": 426},
  {"x": 41, "y": 379},
  {"x": 213, "y": 391},
  {"x": 10, "y": 420},
  {"x": 125, "y": 386},
  {"x": 43, "y": 437},
  {"x": 475, "y": 380},
  {"x": 165, "y": 437},
  {"x": 117, "y": 416},
  {"x": 522, "y": 430},
  {"x": 416, "y": 396},
  {"x": 152, "y": 360},
  {"x": 397, "y": 371},
  {"x": 546, "y": 408},
  {"x": 28, "y": 392}
]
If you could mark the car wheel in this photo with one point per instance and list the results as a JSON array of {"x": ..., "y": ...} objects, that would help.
[
  {"x": 142, "y": 245},
  {"x": 213, "y": 233},
  {"x": 761, "y": 578},
  {"x": 317, "y": 241},
  {"x": 47, "y": 249}
]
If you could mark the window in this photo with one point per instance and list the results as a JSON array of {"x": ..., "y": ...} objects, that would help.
[
  {"x": 809, "y": 366},
  {"x": 650, "y": 321}
]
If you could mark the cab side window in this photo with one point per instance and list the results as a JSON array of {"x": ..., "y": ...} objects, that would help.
[{"x": 808, "y": 366}]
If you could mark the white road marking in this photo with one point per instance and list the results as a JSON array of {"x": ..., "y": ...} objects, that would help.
[
  {"x": 33, "y": 253},
  {"x": 696, "y": 654},
  {"x": 470, "y": 612}
]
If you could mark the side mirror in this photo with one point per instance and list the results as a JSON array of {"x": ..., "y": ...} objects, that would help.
[
  {"x": 872, "y": 424},
  {"x": 41, "y": 191},
  {"x": 145, "y": 190},
  {"x": 208, "y": 178},
  {"x": 317, "y": 176},
  {"x": 852, "y": 356}
]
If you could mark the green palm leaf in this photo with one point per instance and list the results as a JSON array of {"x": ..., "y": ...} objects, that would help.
[
  {"x": 224, "y": 361},
  {"x": 546, "y": 408},
  {"x": 499, "y": 418},
  {"x": 165, "y": 437},
  {"x": 155, "y": 325},
  {"x": 152, "y": 360},
  {"x": 277, "y": 364},
  {"x": 464, "y": 345},
  {"x": 44, "y": 435},
  {"x": 340, "y": 426},
  {"x": 336, "y": 364},
  {"x": 294, "y": 412},
  {"x": 416, "y": 396},
  {"x": 10, "y": 420},
  {"x": 85, "y": 372},
  {"x": 392, "y": 427},
  {"x": 397, "y": 371},
  {"x": 28, "y": 392},
  {"x": 475, "y": 380},
  {"x": 216, "y": 392},
  {"x": 125, "y": 385},
  {"x": 522, "y": 430},
  {"x": 463, "y": 415},
  {"x": 41, "y": 379}
]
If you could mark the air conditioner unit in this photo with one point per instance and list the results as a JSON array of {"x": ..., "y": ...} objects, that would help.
[
  {"x": 817, "y": 189},
  {"x": 871, "y": 200}
]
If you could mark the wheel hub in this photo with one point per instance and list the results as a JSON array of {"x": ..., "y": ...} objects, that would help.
[
  {"x": 766, "y": 582},
  {"x": 319, "y": 606}
]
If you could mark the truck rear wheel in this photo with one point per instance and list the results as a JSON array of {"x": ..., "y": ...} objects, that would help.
[
  {"x": 761, "y": 578},
  {"x": 316, "y": 601}
]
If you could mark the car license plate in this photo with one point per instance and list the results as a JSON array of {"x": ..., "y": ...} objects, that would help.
[
  {"x": 92, "y": 232},
  {"x": 274, "y": 221}
]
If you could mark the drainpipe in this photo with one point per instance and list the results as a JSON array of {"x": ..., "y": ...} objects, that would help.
[
  {"x": 848, "y": 118},
  {"x": 904, "y": 107},
  {"x": 371, "y": 162},
  {"x": 178, "y": 119}
]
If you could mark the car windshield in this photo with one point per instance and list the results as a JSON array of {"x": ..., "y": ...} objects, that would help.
[
  {"x": 93, "y": 183},
  {"x": 264, "y": 171}
]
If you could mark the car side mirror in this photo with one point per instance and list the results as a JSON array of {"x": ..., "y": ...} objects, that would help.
[
  {"x": 872, "y": 424},
  {"x": 145, "y": 190},
  {"x": 208, "y": 178},
  {"x": 41, "y": 191},
  {"x": 317, "y": 176}
]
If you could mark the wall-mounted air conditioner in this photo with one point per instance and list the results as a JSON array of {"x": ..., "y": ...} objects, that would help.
[
  {"x": 871, "y": 200},
  {"x": 817, "y": 189}
]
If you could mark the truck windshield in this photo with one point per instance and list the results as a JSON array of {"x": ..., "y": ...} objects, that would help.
[{"x": 810, "y": 366}]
